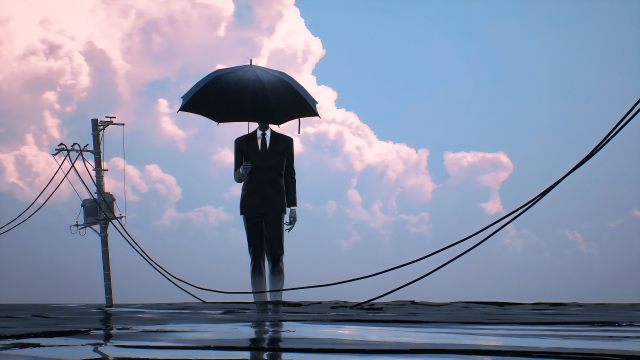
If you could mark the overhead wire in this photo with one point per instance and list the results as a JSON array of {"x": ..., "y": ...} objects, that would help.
[
  {"x": 121, "y": 234},
  {"x": 612, "y": 133},
  {"x": 310, "y": 286},
  {"x": 73, "y": 187},
  {"x": 37, "y": 197},
  {"x": 46, "y": 200},
  {"x": 528, "y": 205}
]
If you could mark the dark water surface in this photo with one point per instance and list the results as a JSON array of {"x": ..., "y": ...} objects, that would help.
[{"x": 321, "y": 330}]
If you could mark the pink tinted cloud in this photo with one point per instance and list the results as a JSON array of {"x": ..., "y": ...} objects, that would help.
[
  {"x": 115, "y": 181},
  {"x": 141, "y": 43},
  {"x": 486, "y": 169},
  {"x": 168, "y": 127},
  {"x": 234, "y": 191},
  {"x": 577, "y": 237},
  {"x": 206, "y": 214},
  {"x": 139, "y": 182},
  {"x": 165, "y": 184},
  {"x": 54, "y": 54},
  {"x": 417, "y": 223},
  {"x": 27, "y": 170},
  {"x": 330, "y": 207},
  {"x": 59, "y": 54},
  {"x": 340, "y": 141},
  {"x": 223, "y": 156},
  {"x": 615, "y": 222}
]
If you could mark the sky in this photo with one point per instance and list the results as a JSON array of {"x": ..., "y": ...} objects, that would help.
[{"x": 437, "y": 118}]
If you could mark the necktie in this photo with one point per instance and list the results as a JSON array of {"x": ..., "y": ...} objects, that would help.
[{"x": 263, "y": 142}]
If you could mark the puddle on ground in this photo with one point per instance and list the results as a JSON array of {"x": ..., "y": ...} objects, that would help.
[{"x": 398, "y": 330}]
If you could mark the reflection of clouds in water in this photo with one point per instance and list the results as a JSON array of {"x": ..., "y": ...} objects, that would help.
[{"x": 233, "y": 330}]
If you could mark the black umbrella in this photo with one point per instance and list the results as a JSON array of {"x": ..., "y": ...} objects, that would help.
[{"x": 249, "y": 93}]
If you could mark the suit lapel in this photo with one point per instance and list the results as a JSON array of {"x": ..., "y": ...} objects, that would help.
[
  {"x": 254, "y": 141},
  {"x": 264, "y": 155},
  {"x": 252, "y": 146},
  {"x": 273, "y": 141}
]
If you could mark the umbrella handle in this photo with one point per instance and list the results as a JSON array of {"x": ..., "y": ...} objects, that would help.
[{"x": 246, "y": 150}]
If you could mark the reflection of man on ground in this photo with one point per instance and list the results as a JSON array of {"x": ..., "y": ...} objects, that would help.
[{"x": 264, "y": 164}]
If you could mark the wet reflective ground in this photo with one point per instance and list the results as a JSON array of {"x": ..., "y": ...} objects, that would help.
[{"x": 322, "y": 330}]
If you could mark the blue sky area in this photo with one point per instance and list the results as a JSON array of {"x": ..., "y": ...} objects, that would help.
[{"x": 538, "y": 83}]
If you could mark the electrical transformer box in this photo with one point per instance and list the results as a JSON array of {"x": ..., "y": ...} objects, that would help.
[{"x": 92, "y": 213}]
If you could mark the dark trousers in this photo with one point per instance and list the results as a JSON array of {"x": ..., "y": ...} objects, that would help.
[{"x": 265, "y": 237}]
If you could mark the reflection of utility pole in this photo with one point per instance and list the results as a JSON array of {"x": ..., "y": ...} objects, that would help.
[{"x": 104, "y": 225}]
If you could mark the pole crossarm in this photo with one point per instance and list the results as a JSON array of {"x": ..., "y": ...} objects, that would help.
[
  {"x": 104, "y": 124},
  {"x": 63, "y": 148}
]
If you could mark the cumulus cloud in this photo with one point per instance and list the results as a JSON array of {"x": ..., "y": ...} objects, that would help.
[
  {"x": 223, "y": 156},
  {"x": 63, "y": 56},
  {"x": 486, "y": 169},
  {"x": 615, "y": 223},
  {"x": 55, "y": 54},
  {"x": 636, "y": 212},
  {"x": 168, "y": 124},
  {"x": 165, "y": 184},
  {"x": 511, "y": 237},
  {"x": 72, "y": 51},
  {"x": 234, "y": 191},
  {"x": 27, "y": 170},
  {"x": 376, "y": 216},
  {"x": 352, "y": 239},
  {"x": 577, "y": 237},
  {"x": 417, "y": 223},
  {"x": 206, "y": 214},
  {"x": 340, "y": 141},
  {"x": 330, "y": 207},
  {"x": 52, "y": 123},
  {"x": 133, "y": 176}
]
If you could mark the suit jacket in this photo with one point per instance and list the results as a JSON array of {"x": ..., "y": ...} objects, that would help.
[{"x": 271, "y": 185}]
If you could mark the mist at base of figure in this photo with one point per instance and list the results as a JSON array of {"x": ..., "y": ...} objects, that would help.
[{"x": 265, "y": 239}]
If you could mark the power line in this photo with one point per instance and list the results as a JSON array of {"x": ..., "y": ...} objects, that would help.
[
  {"x": 44, "y": 203},
  {"x": 73, "y": 187},
  {"x": 37, "y": 197},
  {"x": 588, "y": 157},
  {"x": 121, "y": 234},
  {"x": 612, "y": 133}
]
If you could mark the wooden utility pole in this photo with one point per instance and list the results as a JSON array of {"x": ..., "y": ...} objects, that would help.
[{"x": 104, "y": 225}]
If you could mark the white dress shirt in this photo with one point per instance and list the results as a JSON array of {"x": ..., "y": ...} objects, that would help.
[{"x": 267, "y": 134}]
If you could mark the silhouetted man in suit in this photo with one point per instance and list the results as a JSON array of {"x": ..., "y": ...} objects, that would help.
[{"x": 264, "y": 163}]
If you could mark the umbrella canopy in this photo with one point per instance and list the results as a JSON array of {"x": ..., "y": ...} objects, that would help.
[{"x": 249, "y": 93}]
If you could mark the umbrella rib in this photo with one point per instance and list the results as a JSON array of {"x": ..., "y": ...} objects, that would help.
[
  {"x": 204, "y": 81},
  {"x": 271, "y": 102},
  {"x": 293, "y": 83}
]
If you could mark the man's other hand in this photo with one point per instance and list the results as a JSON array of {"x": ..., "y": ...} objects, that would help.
[
  {"x": 292, "y": 219},
  {"x": 245, "y": 168}
]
